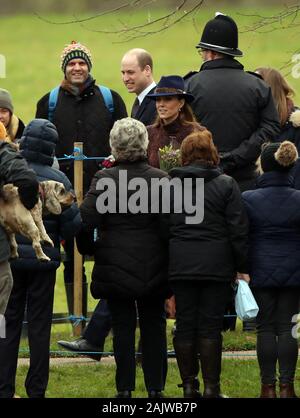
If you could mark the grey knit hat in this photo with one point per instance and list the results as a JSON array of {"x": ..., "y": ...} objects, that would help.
[{"x": 6, "y": 100}]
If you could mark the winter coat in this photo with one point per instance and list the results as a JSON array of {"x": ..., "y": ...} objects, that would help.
[
  {"x": 13, "y": 167},
  {"x": 38, "y": 147},
  {"x": 216, "y": 248},
  {"x": 238, "y": 108},
  {"x": 130, "y": 253},
  {"x": 290, "y": 131},
  {"x": 83, "y": 118},
  {"x": 162, "y": 135},
  {"x": 274, "y": 217}
]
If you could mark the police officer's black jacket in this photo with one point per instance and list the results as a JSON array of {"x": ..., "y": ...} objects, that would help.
[
  {"x": 84, "y": 118},
  {"x": 238, "y": 108}
]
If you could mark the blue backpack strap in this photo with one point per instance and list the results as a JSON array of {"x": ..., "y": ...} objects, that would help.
[
  {"x": 108, "y": 99},
  {"x": 52, "y": 102}
]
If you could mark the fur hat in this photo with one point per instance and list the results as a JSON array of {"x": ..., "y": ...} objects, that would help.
[
  {"x": 6, "y": 101},
  {"x": 295, "y": 118},
  {"x": 73, "y": 51},
  {"x": 3, "y": 132},
  {"x": 278, "y": 156}
]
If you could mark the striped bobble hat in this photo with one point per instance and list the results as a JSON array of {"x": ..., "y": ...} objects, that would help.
[{"x": 75, "y": 50}]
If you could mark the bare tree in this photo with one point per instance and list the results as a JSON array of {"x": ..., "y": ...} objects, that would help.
[
  {"x": 182, "y": 10},
  {"x": 287, "y": 18}
]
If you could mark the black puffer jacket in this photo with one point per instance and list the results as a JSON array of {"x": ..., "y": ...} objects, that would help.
[
  {"x": 82, "y": 118},
  {"x": 130, "y": 254},
  {"x": 38, "y": 147},
  {"x": 238, "y": 108},
  {"x": 13, "y": 168},
  {"x": 216, "y": 248}
]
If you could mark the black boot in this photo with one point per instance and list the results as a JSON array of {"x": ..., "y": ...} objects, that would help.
[
  {"x": 188, "y": 364},
  {"x": 210, "y": 352}
]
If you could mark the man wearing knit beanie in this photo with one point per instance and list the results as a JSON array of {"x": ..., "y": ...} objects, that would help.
[
  {"x": 80, "y": 114},
  {"x": 13, "y": 125}
]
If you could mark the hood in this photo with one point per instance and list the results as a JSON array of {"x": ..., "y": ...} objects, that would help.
[
  {"x": 38, "y": 142},
  {"x": 196, "y": 170},
  {"x": 295, "y": 118},
  {"x": 275, "y": 179}
]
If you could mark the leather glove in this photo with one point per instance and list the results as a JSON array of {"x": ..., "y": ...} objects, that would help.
[
  {"x": 227, "y": 163},
  {"x": 28, "y": 192}
]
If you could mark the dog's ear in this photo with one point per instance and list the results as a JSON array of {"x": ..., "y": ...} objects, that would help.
[{"x": 51, "y": 202}]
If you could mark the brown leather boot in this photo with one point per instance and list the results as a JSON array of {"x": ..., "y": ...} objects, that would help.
[
  {"x": 188, "y": 364},
  {"x": 210, "y": 352},
  {"x": 268, "y": 390},
  {"x": 287, "y": 390}
]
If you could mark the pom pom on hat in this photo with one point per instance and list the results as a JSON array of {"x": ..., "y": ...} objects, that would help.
[
  {"x": 73, "y": 51},
  {"x": 3, "y": 132},
  {"x": 278, "y": 156}
]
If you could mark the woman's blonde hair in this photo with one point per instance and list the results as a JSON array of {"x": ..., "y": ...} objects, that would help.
[
  {"x": 199, "y": 146},
  {"x": 282, "y": 92}
]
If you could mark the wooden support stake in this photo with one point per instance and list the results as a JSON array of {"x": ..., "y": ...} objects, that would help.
[{"x": 78, "y": 186}]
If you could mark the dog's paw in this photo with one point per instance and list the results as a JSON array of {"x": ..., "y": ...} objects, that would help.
[
  {"x": 47, "y": 242},
  {"x": 13, "y": 256},
  {"x": 44, "y": 258}
]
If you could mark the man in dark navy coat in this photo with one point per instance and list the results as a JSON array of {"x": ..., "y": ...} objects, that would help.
[{"x": 137, "y": 75}]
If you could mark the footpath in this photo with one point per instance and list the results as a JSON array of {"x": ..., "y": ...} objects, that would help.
[{"x": 83, "y": 360}]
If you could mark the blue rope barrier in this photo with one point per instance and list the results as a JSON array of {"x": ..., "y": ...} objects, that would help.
[
  {"x": 171, "y": 353},
  {"x": 79, "y": 156}
]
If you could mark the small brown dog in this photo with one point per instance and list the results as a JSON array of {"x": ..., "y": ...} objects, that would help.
[{"x": 15, "y": 218}]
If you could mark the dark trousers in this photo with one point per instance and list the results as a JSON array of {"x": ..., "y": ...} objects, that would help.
[
  {"x": 99, "y": 325},
  {"x": 36, "y": 290},
  {"x": 275, "y": 342},
  {"x": 152, "y": 321},
  {"x": 200, "y": 307}
]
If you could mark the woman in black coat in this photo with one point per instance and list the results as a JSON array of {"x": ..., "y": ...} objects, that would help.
[
  {"x": 205, "y": 258},
  {"x": 130, "y": 258}
]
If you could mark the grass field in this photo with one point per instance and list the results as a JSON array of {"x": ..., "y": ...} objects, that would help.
[{"x": 32, "y": 50}]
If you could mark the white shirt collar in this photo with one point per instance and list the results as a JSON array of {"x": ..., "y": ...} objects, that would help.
[{"x": 144, "y": 93}]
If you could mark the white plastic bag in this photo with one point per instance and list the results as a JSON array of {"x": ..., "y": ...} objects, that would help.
[{"x": 245, "y": 304}]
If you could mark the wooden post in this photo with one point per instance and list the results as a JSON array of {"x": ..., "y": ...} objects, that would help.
[{"x": 78, "y": 186}]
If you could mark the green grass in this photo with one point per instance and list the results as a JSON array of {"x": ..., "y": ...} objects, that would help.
[
  {"x": 240, "y": 379},
  {"x": 33, "y": 47}
]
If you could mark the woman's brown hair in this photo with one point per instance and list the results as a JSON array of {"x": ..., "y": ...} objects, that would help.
[
  {"x": 199, "y": 146},
  {"x": 282, "y": 92}
]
